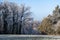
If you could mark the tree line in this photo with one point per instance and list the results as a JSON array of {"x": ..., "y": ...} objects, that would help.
[{"x": 16, "y": 19}]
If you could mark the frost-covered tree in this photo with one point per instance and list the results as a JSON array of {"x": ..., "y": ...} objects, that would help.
[
  {"x": 51, "y": 24},
  {"x": 26, "y": 20},
  {"x": 35, "y": 27},
  {"x": 14, "y": 19}
]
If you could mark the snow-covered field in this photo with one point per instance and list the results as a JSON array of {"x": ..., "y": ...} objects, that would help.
[{"x": 29, "y": 37}]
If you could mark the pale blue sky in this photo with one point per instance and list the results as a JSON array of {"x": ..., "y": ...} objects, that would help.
[{"x": 40, "y": 8}]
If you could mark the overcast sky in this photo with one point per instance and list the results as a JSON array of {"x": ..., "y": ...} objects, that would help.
[{"x": 40, "y": 8}]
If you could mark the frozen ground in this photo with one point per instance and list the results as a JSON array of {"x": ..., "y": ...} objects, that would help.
[{"x": 29, "y": 37}]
